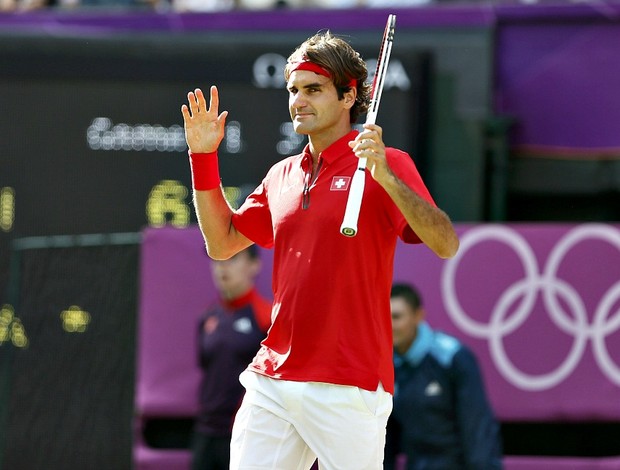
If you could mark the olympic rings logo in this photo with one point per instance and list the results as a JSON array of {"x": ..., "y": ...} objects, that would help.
[{"x": 552, "y": 288}]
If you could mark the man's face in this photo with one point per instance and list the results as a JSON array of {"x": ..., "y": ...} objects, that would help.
[
  {"x": 405, "y": 322},
  {"x": 235, "y": 276},
  {"x": 313, "y": 103}
]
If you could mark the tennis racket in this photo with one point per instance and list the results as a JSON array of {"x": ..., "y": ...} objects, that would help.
[{"x": 354, "y": 201}]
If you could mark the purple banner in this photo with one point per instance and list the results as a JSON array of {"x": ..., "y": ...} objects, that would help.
[
  {"x": 449, "y": 15},
  {"x": 108, "y": 22},
  {"x": 558, "y": 81},
  {"x": 539, "y": 304}
]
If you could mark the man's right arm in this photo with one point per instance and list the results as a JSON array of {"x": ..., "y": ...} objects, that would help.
[
  {"x": 204, "y": 131},
  {"x": 214, "y": 214}
]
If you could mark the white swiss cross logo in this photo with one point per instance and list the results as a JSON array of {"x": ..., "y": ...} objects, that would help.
[{"x": 340, "y": 183}]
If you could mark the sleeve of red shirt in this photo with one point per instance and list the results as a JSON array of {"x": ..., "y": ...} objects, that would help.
[
  {"x": 403, "y": 166},
  {"x": 253, "y": 218}
]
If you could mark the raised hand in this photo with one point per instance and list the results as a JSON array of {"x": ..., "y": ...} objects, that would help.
[
  {"x": 204, "y": 128},
  {"x": 369, "y": 144}
]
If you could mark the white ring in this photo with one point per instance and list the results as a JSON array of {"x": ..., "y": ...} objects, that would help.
[{"x": 561, "y": 301}]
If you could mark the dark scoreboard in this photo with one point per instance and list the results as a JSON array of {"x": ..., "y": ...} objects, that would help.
[{"x": 92, "y": 138}]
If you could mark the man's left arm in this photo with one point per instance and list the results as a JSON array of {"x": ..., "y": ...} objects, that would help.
[{"x": 430, "y": 223}]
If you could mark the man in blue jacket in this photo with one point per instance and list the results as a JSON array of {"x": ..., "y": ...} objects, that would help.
[{"x": 442, "y": 419}]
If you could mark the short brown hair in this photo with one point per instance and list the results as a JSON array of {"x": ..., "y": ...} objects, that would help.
[{"x": 343, "y": 62}]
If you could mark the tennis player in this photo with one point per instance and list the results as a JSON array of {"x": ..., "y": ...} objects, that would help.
[{"x": 321, "y": 384}]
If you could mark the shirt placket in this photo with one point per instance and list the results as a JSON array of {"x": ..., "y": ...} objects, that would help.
[{"x": 309, "y": 182}]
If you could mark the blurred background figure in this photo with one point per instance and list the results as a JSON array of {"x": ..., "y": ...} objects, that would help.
[
  {"x": 94, "y": 5},
  {"x": 203, "y": 6},
  {"x": 228, "y": 5},
  {"x": 230, "y": 333},
  {"x": 7, "y": 5},
  {"x": 401, "y": 3},
  {"x": 442, "y": 418}
]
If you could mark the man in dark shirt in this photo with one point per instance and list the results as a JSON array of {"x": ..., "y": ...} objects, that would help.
[
  {"x": 441, "y": 418},
  {"x": 229, "y": 336}
]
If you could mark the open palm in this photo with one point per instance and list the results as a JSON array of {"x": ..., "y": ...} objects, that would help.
[{"x": 204, "y": 128}]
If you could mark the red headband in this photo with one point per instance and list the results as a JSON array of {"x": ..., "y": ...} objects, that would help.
[
  {"x": 311, "y": 66},
  {"x": 316, "y": 68}
]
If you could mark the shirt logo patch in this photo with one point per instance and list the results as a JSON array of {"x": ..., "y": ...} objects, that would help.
[
  {"x": 340, "y": 183},
  {"x": 210, "y": 325},
  {"x": 243, "y": 325},
  {"x": 433, "y": 389}
]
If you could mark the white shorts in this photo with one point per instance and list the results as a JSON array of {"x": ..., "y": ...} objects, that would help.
[{"x": 286, "y": 425}]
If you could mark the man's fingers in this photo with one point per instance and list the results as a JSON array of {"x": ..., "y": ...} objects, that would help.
[
  {"x": 214, "y": 97},
  {"x": 185, "y": 113},
  {"x": 374, "y": 128},
  {"x": 366, "y": 145},
  {"x": 193, "y": 102},
  {"x": 222, "y": 117},
  {"x": 200, "y": 100}
]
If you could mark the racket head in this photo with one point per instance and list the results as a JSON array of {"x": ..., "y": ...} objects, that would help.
[{"x": 381, "y": 69}]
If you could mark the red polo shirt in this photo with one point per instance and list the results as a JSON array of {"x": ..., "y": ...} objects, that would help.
[{"x": 331, "y": 318}]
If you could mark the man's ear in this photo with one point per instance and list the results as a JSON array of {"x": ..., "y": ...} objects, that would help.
[
  {"x": 350, "y": 97},
  {"x": 421, "y": 313}
]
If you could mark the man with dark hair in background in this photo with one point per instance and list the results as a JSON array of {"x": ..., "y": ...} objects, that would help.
[
  {"x": 442, "y": 419},
  {"x": 229, "y": 335}
]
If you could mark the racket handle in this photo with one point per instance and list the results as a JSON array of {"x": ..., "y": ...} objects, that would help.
[
  {"x": 371, "y": 117},
  {"x": 354, "y": 201}
]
